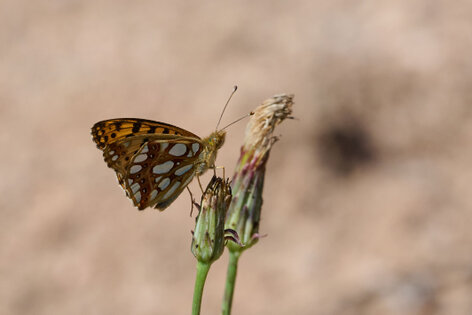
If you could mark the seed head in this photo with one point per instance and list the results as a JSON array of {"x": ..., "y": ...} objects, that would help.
[{"x": 248, "y": 181}]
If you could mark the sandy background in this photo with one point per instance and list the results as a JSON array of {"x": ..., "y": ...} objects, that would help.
[{"x": 367, "y": 200}]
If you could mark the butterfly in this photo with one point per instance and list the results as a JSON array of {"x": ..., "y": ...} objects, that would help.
[{"x": 154, "y": 161}]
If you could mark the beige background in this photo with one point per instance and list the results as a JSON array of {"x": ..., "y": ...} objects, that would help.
[{"x": 367, "y": 198}]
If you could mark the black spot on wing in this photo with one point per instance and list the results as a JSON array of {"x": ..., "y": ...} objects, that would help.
[{"x": 136, "y": 127}]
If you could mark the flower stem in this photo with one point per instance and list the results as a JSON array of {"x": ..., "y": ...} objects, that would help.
[
  {"x": 202, "y": 272},
  {"x": 230, "y": 281}
]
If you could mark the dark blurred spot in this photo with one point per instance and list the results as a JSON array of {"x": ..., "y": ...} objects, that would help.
[{"x": 345, "y": 147}]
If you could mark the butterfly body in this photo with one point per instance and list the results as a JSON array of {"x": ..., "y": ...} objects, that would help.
[
  {"x": 211, "y": 146},
  {"x": 154, "y": 161}
]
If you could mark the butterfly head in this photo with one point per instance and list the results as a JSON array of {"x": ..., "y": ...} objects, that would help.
[{"x": 217, "y": 139}]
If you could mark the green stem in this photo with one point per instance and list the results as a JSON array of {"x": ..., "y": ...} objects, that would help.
[
  {"x": 202, "y": 272},
  {"x": 230, "y": 281}
]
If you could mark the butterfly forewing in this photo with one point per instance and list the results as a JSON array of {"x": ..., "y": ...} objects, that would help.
[
  {"x": 108, "y": 131},
  {"x": 118, "y": 154}
]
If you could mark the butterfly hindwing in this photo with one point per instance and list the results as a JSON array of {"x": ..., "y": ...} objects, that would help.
[{"x": 161, "y": 170}]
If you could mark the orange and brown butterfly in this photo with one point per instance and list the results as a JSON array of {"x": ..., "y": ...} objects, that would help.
[{"x": 154, "y": 161}]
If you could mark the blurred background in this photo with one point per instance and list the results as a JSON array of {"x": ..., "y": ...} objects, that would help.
[{"x": 367, "y": 199}]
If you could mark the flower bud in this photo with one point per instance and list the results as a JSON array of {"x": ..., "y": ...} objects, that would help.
[{"x": 208, "y": 238}]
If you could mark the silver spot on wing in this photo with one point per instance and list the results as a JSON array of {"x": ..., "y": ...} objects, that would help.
[
  {"x": 183, "y": 170},
  {"x": 137, "y": 196},
  {"x": 164, "y": 183},
  {"x": 135, "y": 187},
  {"x": 140, "y": 158},
  {"x": 172, "y": 189},
  {"x": 178, "y": 149},
  {"x": 153, "y": 194},
  {"x": 135, "y": 168},
  {"x": 163, "y": 168}
]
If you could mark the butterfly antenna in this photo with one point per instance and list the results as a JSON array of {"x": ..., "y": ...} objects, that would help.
[
  {"x": 250, "y": 114},
  {"x": 224, "y": 108}
]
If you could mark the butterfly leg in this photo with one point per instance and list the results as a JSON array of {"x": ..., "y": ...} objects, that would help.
[
  {"x": 192, "y": 202},
  {"x": 199, "y": 183}
]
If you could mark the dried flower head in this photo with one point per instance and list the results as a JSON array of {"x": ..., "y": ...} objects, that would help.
[{"x": 248, "y": 181}]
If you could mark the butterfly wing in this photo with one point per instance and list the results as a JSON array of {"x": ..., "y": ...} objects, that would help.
[
  {"x": 141, "y": 152},
  {"x": 108, "y": 131},
  {"x": 161, "y": 170}
]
